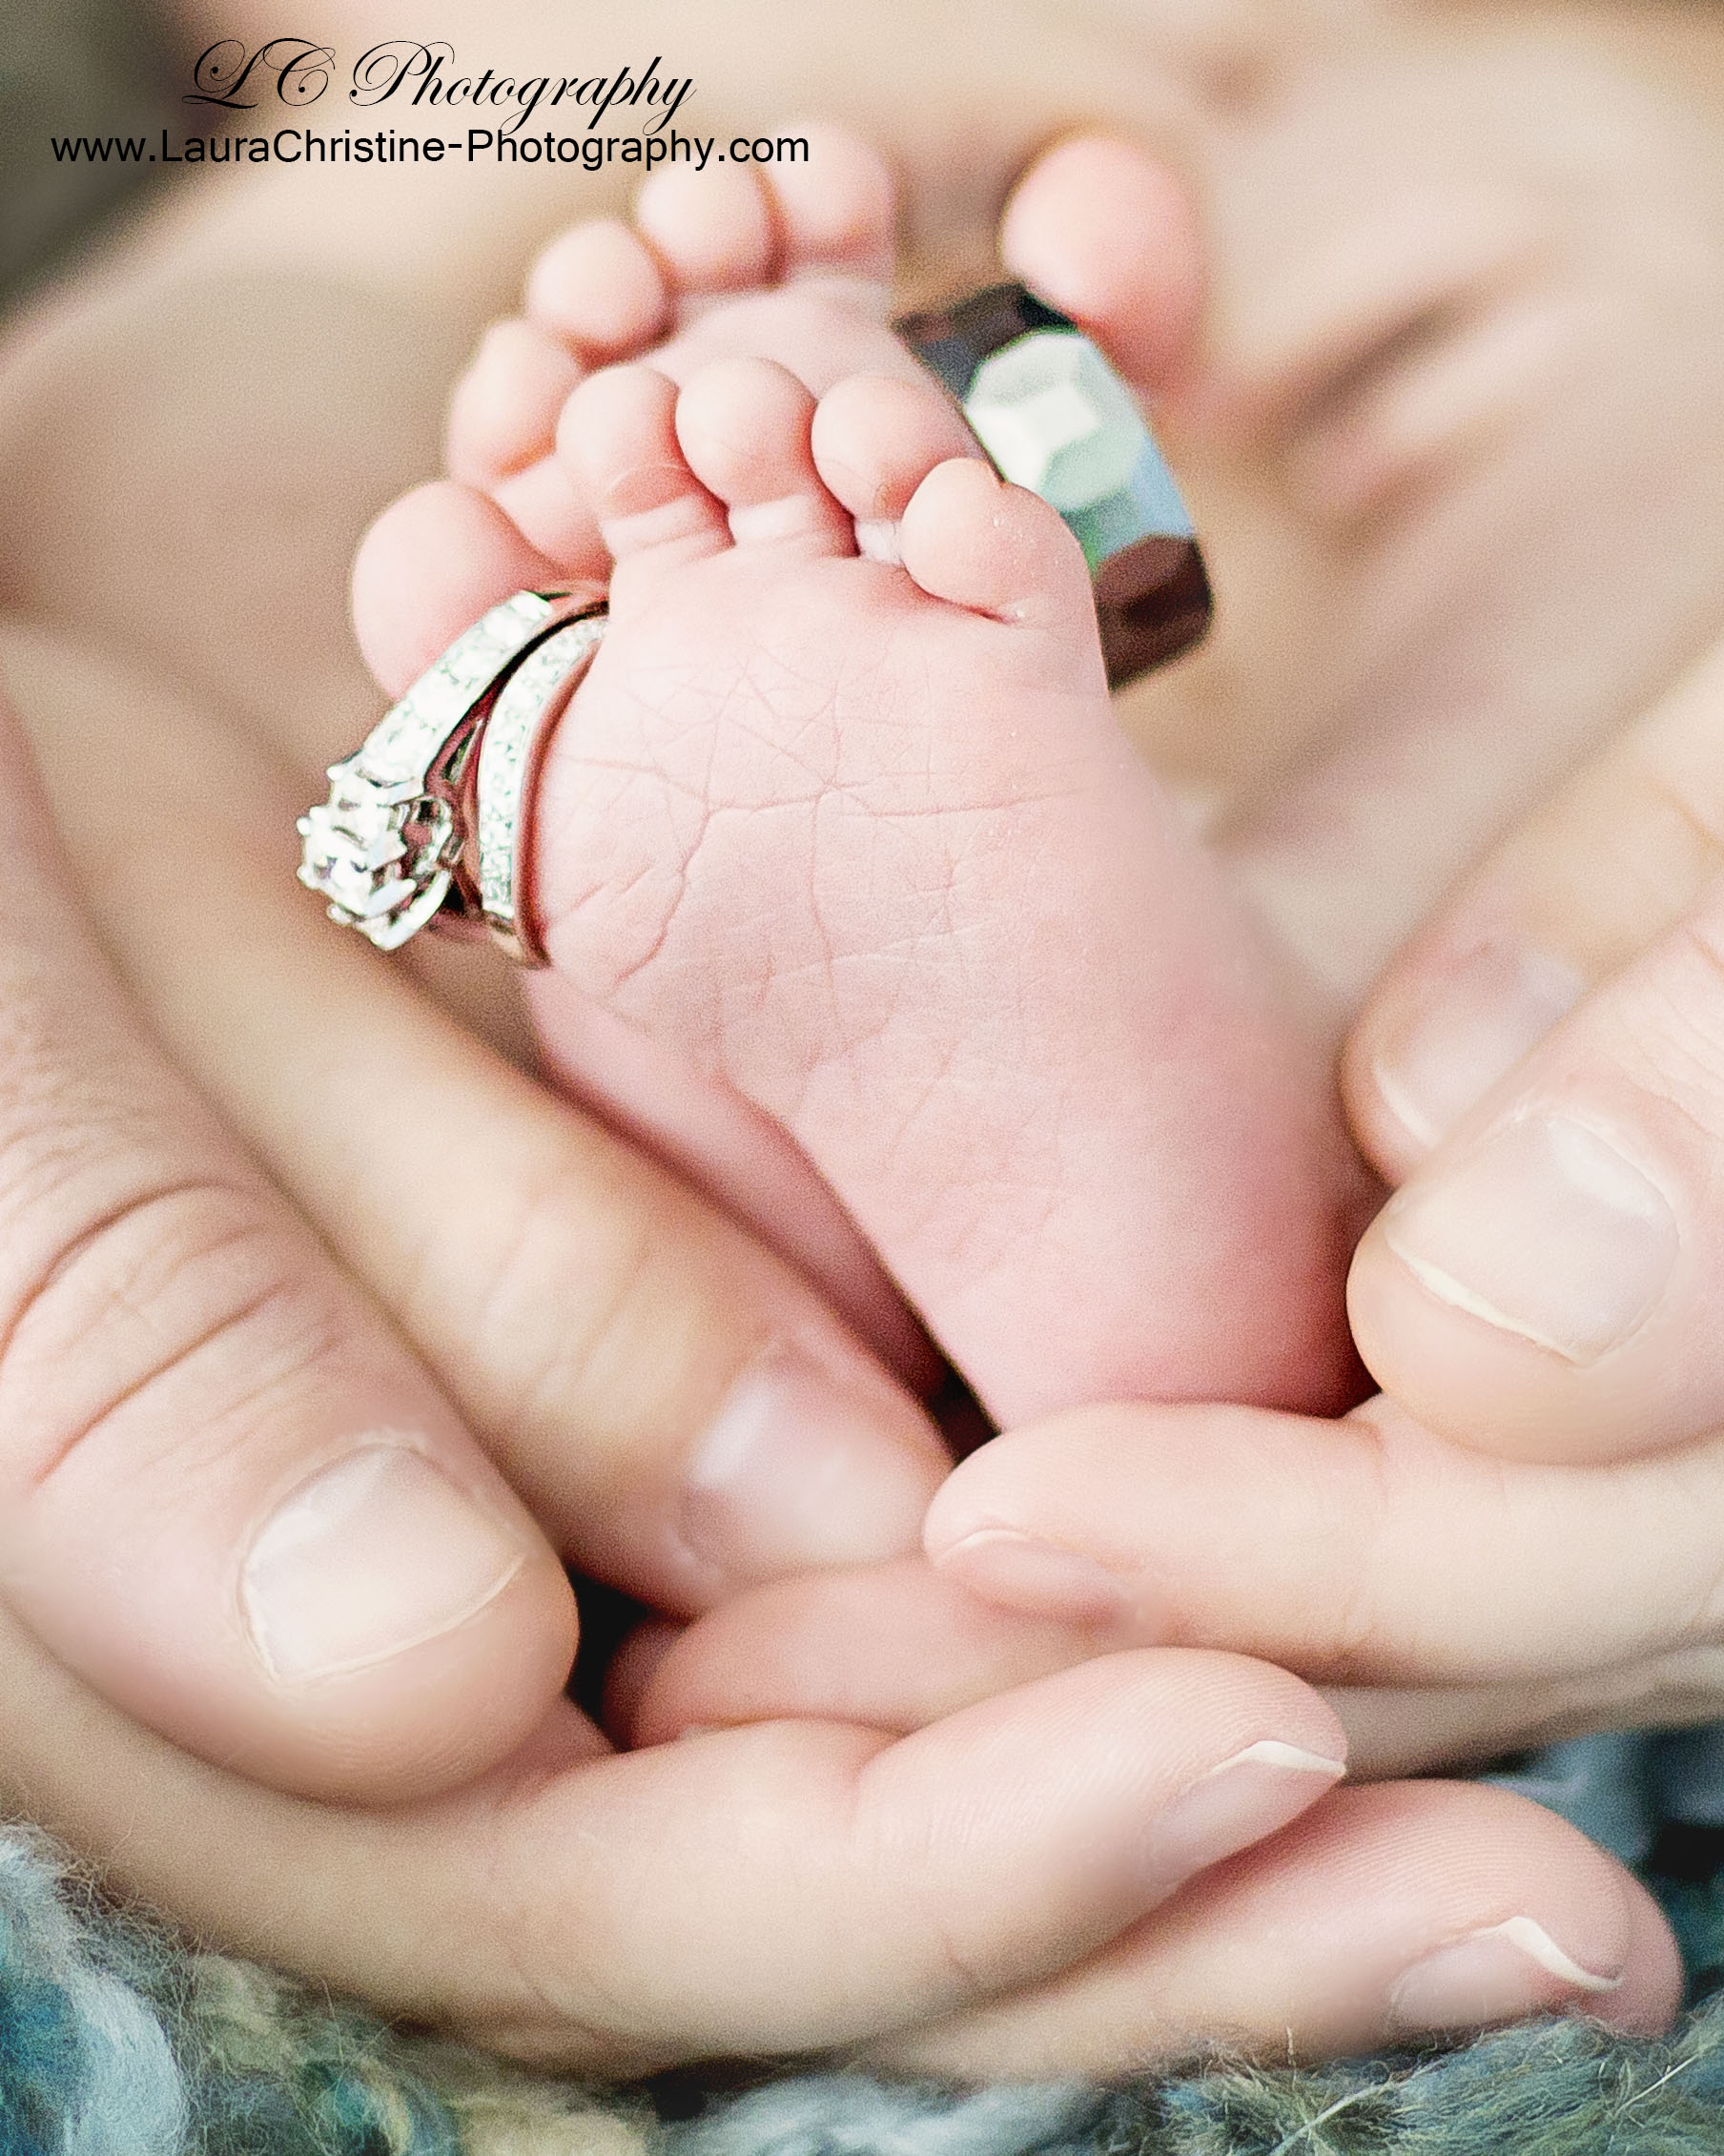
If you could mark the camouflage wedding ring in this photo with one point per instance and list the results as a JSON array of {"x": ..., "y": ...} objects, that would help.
[{"x": 1055, "y": 418}]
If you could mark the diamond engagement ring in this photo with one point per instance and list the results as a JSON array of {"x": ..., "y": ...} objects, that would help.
[{"x": 427, "y": 823}]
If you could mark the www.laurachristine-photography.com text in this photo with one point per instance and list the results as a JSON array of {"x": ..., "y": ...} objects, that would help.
[{"x": 431, "y": 109}]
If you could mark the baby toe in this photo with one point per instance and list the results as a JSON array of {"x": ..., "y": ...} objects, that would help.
[
  {"x": 836, "y": 208},
  {"x": 598, "y": 289},
  {"x": 504, "y": 413},
  {"x": 743, "y": 427},
  {"x": 971, "y": 540},
  {"x": 554, "y": 517},
  {"x": 875, "y": 439},
  {"x": 714, "y": 232},
  {"x": 617, "y": 442},
  {"x": 428, "y": 567},
  {"x": 893, "y": 450}
]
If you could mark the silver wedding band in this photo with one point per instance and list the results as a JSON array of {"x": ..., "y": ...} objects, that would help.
[{"x": 428, "y": 822}]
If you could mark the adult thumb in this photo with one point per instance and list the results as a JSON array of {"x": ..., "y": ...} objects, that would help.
[
  {"x": 229, "y": 1498},
  {"x": 1547, "y": 1283}
]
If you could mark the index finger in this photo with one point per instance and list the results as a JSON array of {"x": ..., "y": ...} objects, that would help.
[{"x": 1362, "y": 1551}]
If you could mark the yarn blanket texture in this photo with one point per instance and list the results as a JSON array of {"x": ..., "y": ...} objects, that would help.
[{"x": 119, "y": 2038}]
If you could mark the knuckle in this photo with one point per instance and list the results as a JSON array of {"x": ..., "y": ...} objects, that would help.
[
  {"x": 560, "y": 1314},
  {"x": 1675, "y": 1035},
  {"x": 172, "y": 1278}
]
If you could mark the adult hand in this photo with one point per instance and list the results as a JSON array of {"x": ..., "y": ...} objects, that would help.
[
  {"x": 677, "y": 1407},
  {"x": 749, "y": 1852},
  {"x": 1542, "y": 1288},
  {"x": 181, "y": 1357}
]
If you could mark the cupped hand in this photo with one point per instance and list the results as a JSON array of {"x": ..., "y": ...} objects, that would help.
[
  {"x": 223, "y": 1456},
  {"x": 997, "y": 1880}
]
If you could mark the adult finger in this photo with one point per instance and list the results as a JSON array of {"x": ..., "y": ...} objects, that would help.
[
  {"x": 1577, "y": 891},
  {"x": 678, "y": 1408},
  {"x": 896, "y": 1646},
  {"x": 229, "y": 1497},
  {"x": 899, "y": 1645},
  {"x": 892, "y": 1647},
  {"x": 1547, "y": 1283},
  {"x": 1389, "y": 1913},
  {"x": 1366, "y": 1551},
  {"x": 784, "y": 1888}
]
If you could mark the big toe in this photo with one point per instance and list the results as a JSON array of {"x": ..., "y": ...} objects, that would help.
[{"x": 430, "y": 565}]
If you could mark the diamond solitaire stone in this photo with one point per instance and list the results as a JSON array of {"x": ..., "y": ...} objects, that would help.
[
  {"x": 1053, "y": 417},
  {"x": 383, "y": 851}
]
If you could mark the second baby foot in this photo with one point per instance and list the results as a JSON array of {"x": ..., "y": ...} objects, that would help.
[
  {"x": 793, "y": 262},
  {"x": 862, "y": 843}
]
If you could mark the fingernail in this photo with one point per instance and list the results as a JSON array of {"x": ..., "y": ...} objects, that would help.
[
  {"x": 1249, "y": 1795},
  {"x": 1492, "y": 1975},
  {"x": 378, "y": 1553},
  {"x": 1547, "y": 1231},
  {"x": 1472, "y": 1032},
  {"x": 1024, "y": 1573},
  {"x": 799, "y": 1469}
]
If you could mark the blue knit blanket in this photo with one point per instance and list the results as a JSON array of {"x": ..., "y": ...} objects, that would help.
[{"x": 119, "y": 2038}]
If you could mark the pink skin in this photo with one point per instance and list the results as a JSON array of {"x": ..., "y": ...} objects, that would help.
[
  {"x": 1479, "y": 1857},
  {"x": 794, "y": 266},
  {"x": 1101, "y": 1164}
]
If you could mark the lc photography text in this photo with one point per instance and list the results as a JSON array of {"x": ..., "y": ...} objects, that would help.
[
  {"x": 404, "y": 73},
  {"x": 405, "y": 76}
]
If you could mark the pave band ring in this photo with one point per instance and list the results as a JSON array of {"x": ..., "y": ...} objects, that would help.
[{"x": 427, "y": 823}]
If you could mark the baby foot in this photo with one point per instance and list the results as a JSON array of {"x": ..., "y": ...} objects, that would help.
[
  {"x": 791, "y": 262},
  {"x": 862, "y": 845}
]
